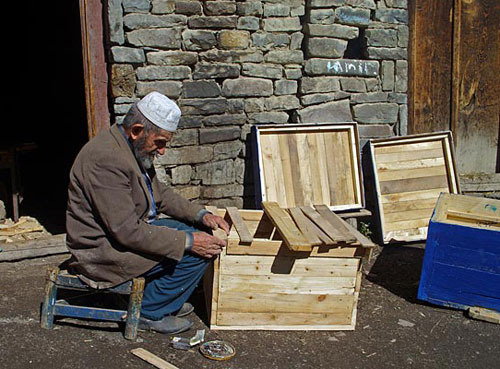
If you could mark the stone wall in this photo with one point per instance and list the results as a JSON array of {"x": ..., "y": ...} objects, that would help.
[{"x": 231, "y": 64}]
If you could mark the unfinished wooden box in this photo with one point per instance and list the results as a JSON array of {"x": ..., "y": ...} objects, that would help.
[
  {"x": 265, "y": 286},
  {"x": 461, "y": 267},
  {"x": 410, "y": 173},
  {"x": 308, "y": 164}
]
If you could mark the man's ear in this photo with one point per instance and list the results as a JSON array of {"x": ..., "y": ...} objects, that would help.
[{"x": 136, "y": 131}]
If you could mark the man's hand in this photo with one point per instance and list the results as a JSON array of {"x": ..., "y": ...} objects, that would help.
[
  {"x": 206, "y": 245},
  {"x": 215, "y": 222}
]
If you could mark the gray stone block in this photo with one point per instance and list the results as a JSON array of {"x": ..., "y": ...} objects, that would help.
[
  {"x": 285, "y": 87},
  {"x": 268, "y": 117},
  {"x": 382, "y": 53},
  {"x": 190, "y": 121},
  {"x": 332, "y": 30},
  {"x": 276, "y": 10},
  {"x": 3, "y": 213},
  {"x": 342, "y": 67},
  {"x": 322, "y": 16},
  {"x": 403, "y": 35},
  {"x": 392, "y": 15},
  {"x": 233, "y": 39},
  {"x": 280, "y": 103},
  {"x": 163, "y": 38},
  {"x": 387, "y": 75},
  {"x": 224, "y": 120},
  {"x": 284, "y": 57},
  {"x": 184, "y": 137},
  {"x": 325, "y": 3},
  {"x": 227, "y": 150},
  {"x": 403, "y": 120},
  {"x": 248, "y": 23},
  {"x": 325, "y": 47},
  {"x": 172, "y": 58},
  {"x": 163, "y": 6},
  {"x": 296, "y": 40},
  {"x": 353, "y": 84},
  {"x": 216, "y": 173},
  {"x": 139, "y": 21},
  {"x": 232, "y": 56},
  {"x": 197, "y": 40},
  {"x": 122, "y": 80},
  {"x": 156, "y": 72},
  {"x": 188, "y": 192},
  {"x": 293, "y": 73},
  {"x": 214, "y": 135},
  {"x": 285, "y": 24},
  {"x": 369, "y": 97},
  {"x": 172, "y": 89},
  {"x": 115, "y": 22},
  {"x": 211, "y": 71},
  {"x": 204, "y": 106},
  {"x": 271, "y": 71},
  {"x": 250, "y": 7},
  {"x": 186, "y": 155},
  {"x": 330, "y": 112},
  {"x": 397, "y": 3},
  {"x": 188, "y": 7},
  {"x": 245, "y": 87},
  {"x": 136, "y": 6},
  {"x": 398, "y": 98},
  {"x": 369, "y": 4},
  {"x": 121, "y": 54},
  {"x": 313, "y": 99},
  {"x": 298, "y": 11},
  {"x": 352, "y": 16},
  {"x": 375, "y": 130},
  {"x": 401, "y": 83},
  {"x": 372, "y": 84},
  {"x": 319, "y": 84},
  {"x": 217, "y": 192},
  {"x": 376, "y": 113},
  {"x": 381, "y": 37},
  {"x": 267, "y": 41},
  {"x": 217, "y": 22},
  {"x": 201, "y": 89},
  {"x": 254, "y": 105},
  {"x": 219, "y": 7}
]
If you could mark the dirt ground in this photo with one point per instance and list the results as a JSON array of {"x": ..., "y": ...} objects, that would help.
[{"x": 393, "y": 329}]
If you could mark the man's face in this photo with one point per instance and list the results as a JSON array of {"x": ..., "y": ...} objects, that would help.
[{"x": 147, "y": 146}]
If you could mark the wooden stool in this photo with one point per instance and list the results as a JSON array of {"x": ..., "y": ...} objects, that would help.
[{"x": 63, "y": 280}]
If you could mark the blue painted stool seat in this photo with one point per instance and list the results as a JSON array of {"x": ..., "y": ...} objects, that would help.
[{"x": 61, "y": 279}]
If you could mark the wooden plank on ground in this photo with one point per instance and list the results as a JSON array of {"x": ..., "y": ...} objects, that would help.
[
  {"x": 336, "y": 221},
  {"x": 240, "y": 225},
  {"x": 34, "y": 248},
  {"x": 152, "y": 358},
  {"x": 487, "y": 315},
  {"x": 324, "y": 225},
  {"x": 292, "y": 236}
]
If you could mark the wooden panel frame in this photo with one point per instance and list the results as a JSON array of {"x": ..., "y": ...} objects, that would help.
[
  {"x": 453, "y": 185},
  {"x": 261, "y": 194}
]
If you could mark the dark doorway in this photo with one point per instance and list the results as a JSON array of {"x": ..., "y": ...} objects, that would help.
[{"x": 46, "y": 108}]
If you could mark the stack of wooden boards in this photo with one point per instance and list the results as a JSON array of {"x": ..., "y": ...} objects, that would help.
[
  {"x": 304, "y": 227},
  {"x": 259, "y": 282}
]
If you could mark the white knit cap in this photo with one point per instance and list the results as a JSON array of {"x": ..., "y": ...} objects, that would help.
[{"x": 160, "y": 110}]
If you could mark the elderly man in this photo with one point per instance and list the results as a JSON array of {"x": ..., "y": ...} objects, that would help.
[{"x": 113, "y": 229}]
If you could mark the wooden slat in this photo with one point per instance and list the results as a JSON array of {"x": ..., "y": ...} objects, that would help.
[
  {"x": 408, "y": 155},
  {"x": 323, "y": 224},
  {"x": 393, "y": 175},
  {"x": 287, "y": 165},
  {"x": 294, "y": 180},
  {"x": 410, "y": 164},
  {"x": 386, "y": 148},
  {"x": 293, "y": 238},
  {"x": 335, "y": 221},
  {"x": 282, "y": 283},
  {"x": 248, "y": 302},
  {"x": 266, "y": 265},
  {"x": 306, "y": 227},
  {"x": 240, "y": 225},
  {"x": 399, "y": 206},
  {"x": 326, "y": 188},
  {"x": 406, "y": 225},
  {"x": 286, "y": 321},
  {"x": 152, "y": 359},
  {"x": 413, "y": 184},
  {"x": 409, "y": 215},
  {"x": 418, "y": 195}
]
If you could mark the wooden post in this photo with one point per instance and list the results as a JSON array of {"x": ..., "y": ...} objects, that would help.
[
  {"x": 134, "y": 308},
  {"x": 47, "y": 315}
]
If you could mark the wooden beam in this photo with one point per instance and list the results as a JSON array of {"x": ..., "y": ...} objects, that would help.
[
  {"x": 245, "y": 237},
  {"x": 34, "y": 248},
  {"x": 152, "y": 359},
  {"x": 336, "y": 221},
  {"x": 312, "y": 233},
  {"x": 292, "y": 236},
  {"x": 325, "y": 225}
]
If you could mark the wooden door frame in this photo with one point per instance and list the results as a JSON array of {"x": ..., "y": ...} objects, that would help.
[{"x": 94, "y": 66}]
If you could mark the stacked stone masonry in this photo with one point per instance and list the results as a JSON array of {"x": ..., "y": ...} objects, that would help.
[{"x": 232, "y": 64}]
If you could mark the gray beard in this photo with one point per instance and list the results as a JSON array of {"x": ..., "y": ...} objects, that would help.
[{"x": 143, "y": 157}]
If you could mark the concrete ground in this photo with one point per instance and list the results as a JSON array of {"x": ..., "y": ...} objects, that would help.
[{"x": 393, "y": 330}]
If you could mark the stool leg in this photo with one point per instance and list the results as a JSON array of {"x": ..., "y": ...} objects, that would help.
[
  {"x": 47, "y": 314},
  {"x": 134, "y": 309}
]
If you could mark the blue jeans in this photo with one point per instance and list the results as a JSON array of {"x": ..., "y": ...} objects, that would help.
[{"x": 170, "y": 283}]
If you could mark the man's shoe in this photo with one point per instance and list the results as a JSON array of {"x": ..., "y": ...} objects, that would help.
[
  {"x": 186, "y": 309},
  {"x": 168, "y": 325}
]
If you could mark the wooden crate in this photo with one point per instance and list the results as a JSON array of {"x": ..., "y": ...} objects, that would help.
[
  {"x": 461, "y": 267},
  {"x": 266, "y": 286},
  {"x": 410, "y": 173},
  {"x": 308, "y": 164}
]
